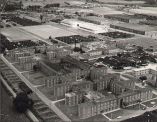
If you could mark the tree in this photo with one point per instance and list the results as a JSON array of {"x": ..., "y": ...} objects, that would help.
[
  {"x": 22, "y": 102},
  {"x": 41, "y": 18},
  {"x": 50, "y": 37},
  {"x": 35, "y": 68},
  {"x": 142, "y": 78},
  {"x": 21, "y": 4}
]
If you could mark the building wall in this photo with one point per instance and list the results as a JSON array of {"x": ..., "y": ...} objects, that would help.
[
  {"x": 116, "y": 88},
  {"x": 74, "y": 99},
  {"x": 97, "y": 73},
  {"x": 60, "y": 90},
  {"x": 149, "y": 73},
  {"x": 138, "y": 96},
  {"x": 46, "y": 69},
  {"x": 86, "y": 110}
]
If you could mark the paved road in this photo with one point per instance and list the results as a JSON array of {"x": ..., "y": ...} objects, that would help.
[{"x": 7, "y": 113}]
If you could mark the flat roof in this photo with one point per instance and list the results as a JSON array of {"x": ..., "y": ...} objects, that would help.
[
  {"x": 73, "y": 10},
  {"x": 100, "y": 19},
  {"x": 92, "y": 95},
  {"x": 75, "y": 2},
  {"x": 124, "y": 16},
  {"x": 137, "y": 26},
  {"x": 122, "y": 1},
  {"x": 149, "y": 22},
  {"x": 150, "y": 66},
  {"x": 105, "y": 11},
  {"x": 84, "y": 25},
  {"x": 150, "y": 11},
  {"x": 70, "y": 94}
]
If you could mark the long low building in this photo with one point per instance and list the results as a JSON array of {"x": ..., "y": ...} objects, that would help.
[
  {"x": 146, "y": 43},
  {"x": 146, "y": 11},
  {"x": 122, "y": 2},
  {"x": 97, "y": 20},
  {"x": 137, "y": 29},
  {"x": 125, "y": 18},
  {"x": 90, "y": 27}
]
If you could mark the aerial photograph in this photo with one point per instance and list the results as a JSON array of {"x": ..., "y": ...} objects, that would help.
[{"x": 78, "y": 60}]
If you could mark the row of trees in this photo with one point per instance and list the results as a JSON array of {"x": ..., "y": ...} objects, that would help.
[{"x": 22, "y": 102}]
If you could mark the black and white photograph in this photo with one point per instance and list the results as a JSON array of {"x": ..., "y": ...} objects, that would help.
[{"x": 78, "y": 60}]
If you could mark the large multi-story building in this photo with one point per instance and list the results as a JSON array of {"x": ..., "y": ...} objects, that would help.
[
  {"x": 96, "y": 103},
  {"x": 151, "y": 75},
  {"x": 58, "y": 53},
  {"x": 74, "y": 98},
  {"x": 134, "y": 96},
  {"x": 102, "y": 104}
]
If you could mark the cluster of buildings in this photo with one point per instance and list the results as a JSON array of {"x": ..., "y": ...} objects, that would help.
[
  {"x": 94, "y": 49},
  {"x": 93, "y": 90},
  {"x": 69, "y": 73},
  {"x": 150, "y": 73},
  {"x": 123, "y": 93}
]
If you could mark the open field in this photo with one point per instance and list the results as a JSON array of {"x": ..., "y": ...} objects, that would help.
[
  {"x": 139, "y": 41},
  {"x": 45, "y": 31},
  {"x": 14, "y": 34}
]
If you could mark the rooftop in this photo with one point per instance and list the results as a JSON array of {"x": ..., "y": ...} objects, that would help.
[
  {"x": 105, "y": 11},
  {"x": 150, "y": 11},
  {"x": 150, "y": 66},
  {"x": 137, "y": 27},
  {"x": 84, "y": 25},
  {"x": 124, "y": 16},
  {"x": 99, "y": 19},
  {"x": 91, "y": 95}
]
